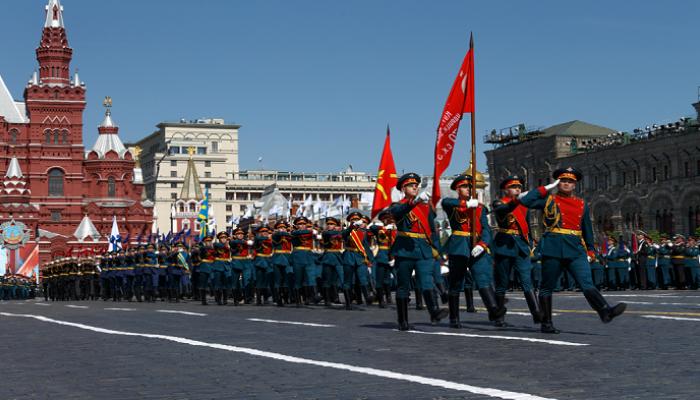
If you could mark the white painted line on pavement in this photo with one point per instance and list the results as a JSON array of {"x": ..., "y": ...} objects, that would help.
[
  {"x": 524, "y": 339},
  {"x": 119, "y": 309},
  {"x": 74, "y": 306},
  {"x": 441, "y": 383},
  {"x": 182, "y": 312},
  {"x": 42, "y": 304},
  {"x": 274, "y": 321},
  {"x": 673, "y": 318},
  {"x": 664, "y": 304}
]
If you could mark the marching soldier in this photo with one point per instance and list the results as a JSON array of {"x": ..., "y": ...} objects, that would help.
[
  {"x": 281, "y": 260},
  {"x": 263, "y": 267},
  {"x": 512, "y": 246},
  {"x": 385, "y": 233},
  {"x": 221, "y": 270},
  {"x": 303, "y": 260},
  {"x": 567, "y": 243},
  {"x": 332, "y": 258},
  {"x": 356, "y": 258},
  {"x": 678, "y": 261},
  {"x": 618, "y": 264},
  {"x": 150, "y": 272},
  {"x": 467, "y": 253},
  {"x": 207, "y": 257},
  {"x": 646, "y": 261},
  {"x": 241, "y": 266},
  {"x": 664, "y": 268},
  {"x": 178, "y": 266},
  {"x": 692, "y": 264},
  {"x": 415, "y": 248}
]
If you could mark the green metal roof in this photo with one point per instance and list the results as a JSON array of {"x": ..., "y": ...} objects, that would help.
[{"x": 577, "y": 128}]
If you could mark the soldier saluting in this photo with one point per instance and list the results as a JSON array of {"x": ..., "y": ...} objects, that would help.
[
  {"x": 415, "y": 248},
  {"x": 567, "y": 244}
]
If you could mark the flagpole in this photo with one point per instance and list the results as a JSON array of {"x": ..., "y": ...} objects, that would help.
[{"x": 473, "y": 145}]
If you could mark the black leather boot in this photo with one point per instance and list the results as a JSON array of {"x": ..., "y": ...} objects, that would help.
[
  {"x": 419, "y": 300},
  {"x": 327, "y": 293},
  {"x": 224, "y": 295},
  {"x": 380, "y": 297},
  {"x": 203, "y": 296},
  {"x": 296, "y": 293},
  {"x": 469, "y": 299},
  {"x": 436, "y": 314},
  {"x": 488, "y": 296},
  {"x": 348, "y": 299},
  {"x": 500, "y": 303},
  {"x": 402, "y": 312},
  {"x": 598, "y": 303},
  {"x": 534, "y": 306},
  {"x": 314, "y": 295},
  {"x": 453, "y": 302},
  {"x": 387, "y": 293},
  {"x": 365, "y": 294},
  {"x": 547, "y": 326},
  {"x": 444, "y": 296},
  {"x": 217, "y": 297}
]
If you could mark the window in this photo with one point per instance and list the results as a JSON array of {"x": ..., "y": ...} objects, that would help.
[
  {"x": 193, "y": 207},
  {"x": 181, "y": 207},
  {"x": 111, "y": 187},
  {"x": 207, "y": 163},
  {"x": 698, "y": 168},
  {"x": 173, "y": 185},
  {"x": 229, "y": 207},
  {"x": 13, "y": 136},
  {"x": 173, "y": 196},
  {"x": 55, "y": 216},
  {"x": 201, "y": 150},
  {"x": 653, "y": 174},
  {"x": 65, "y": 136},
  {"x": 173, "y": 163},
  {"x": 687, "y": 169},
  {"x": 665, "y": 171},
  {"x": 207, "y": 185},
  {"x": 241, "y": 208},
  {"x": 255, "y": 196},
  {"x": 48, "y": 136},
  {"x": 624, "y": 179},
  {"x": 214, "y": 147},
  {"x": 207, "y": 174},
  {"x": 173, "y": 174},
  {"x": 56, "y": 182},
  {"x": 230, "y": 196},
  {"x": 174, "y": 150},
  {"x": 55, "y": 136}
]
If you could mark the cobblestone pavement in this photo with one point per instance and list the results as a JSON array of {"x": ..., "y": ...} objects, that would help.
[{"x": 86, "y": 350}]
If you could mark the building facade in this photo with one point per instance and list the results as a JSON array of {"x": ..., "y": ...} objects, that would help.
[
  {"x": 648, "y": 179},
  {"x": 52, "y": 182}
]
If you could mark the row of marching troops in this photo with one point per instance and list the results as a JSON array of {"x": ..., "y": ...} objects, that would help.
[
  {"x": 303, "y": 264},
  {"x": 666, "y": 263},
  {"x": 16, "y": 287}
]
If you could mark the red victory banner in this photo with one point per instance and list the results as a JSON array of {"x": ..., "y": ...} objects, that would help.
[
  {"x": 386, "y": 178},
  {"x": 460, "y": 101}
]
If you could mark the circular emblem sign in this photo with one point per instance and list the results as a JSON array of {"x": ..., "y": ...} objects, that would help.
[{"x": 13, "y": 234}]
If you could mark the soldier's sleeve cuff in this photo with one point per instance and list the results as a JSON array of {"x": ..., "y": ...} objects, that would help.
[{"x": 542, "y": 191}]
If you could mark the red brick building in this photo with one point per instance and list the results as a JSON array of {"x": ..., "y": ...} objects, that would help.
[{"x": 66, "y": 194}]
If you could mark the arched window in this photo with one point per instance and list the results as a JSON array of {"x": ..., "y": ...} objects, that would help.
[
  {"x": 48, "y": 136},
  {"x": 111, "y": 187},
  {"x": 182, "y": 207},
  {"x": 55, "y": 136},
  {"x": 13, "y": 136},
  {"x": 56, "y": 182},
  {"x": 65, "y": 136}
]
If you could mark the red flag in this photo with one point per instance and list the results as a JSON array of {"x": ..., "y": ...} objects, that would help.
[
  {"x": 635, "y": 243},
  {"x": 386, "y": 178},
  {"x": 460, "y": 101}
]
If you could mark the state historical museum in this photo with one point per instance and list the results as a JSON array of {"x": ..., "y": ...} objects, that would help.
[{"x": 64, "y": 194}]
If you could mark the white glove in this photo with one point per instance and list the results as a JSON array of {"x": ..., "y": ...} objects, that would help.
[
  {"x": 319, "y": 237},
  {"x": 156, "y": 252},
  {"x": 472, "y": 203},
  {"x": 552, "y": 185},
  {"x": 590, "y": 259},
  {"x": 358, "y": 222},
  {"x": 656, "y": 246},
  {"x": 314, "y": 231},
  {"x": 391, "y": 226},
  {"x": 249, "y": 243},
  {"x": 423, "y": 197},
  {"x": 522, "y": 194},
  {"x": 477, "y": 250},
  {"x": 670, "y": 244},
  {"x": 392, "y": 262},
  {"x": 379, "y": 223}
]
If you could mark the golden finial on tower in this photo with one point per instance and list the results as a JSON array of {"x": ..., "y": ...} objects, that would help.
[
  {"x": 136, "y": 152},
  {"x": 191, "y": 150}
]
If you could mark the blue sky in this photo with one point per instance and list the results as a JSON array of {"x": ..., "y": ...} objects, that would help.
[{"x": 314, "y": 83}]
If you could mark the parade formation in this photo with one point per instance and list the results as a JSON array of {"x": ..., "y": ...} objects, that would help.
[{"x": 363, "y": 262}]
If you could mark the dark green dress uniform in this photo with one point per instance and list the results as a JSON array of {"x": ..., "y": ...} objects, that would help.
[
  {"x": 281, "y": 260},
  {"x": 678, "y": 262},
  {"x": 664, "y": 266},
  {"x": 536, "y": 261},
  {"x": 303, "y": 262},
  {"x": 618, "y": 267},
  {"x": 415, "y": 249},
  {"x": 511, "y": 248},
  {"x": 382, "y": 261},
  {"x": 331, "y": 260},
  {"x": 646, "y": 258},
  {"x": 263, "y": 265},
  {"x": 566, "y": 243},
  {"x": 207, "y": 257},
  {"x": 459, "y": 251},
  {"x": 356, "y": 258},
  {"x": 692, "y": 265},
  {"x": 221, "y": 269}
]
